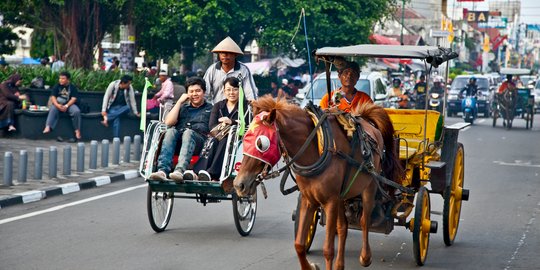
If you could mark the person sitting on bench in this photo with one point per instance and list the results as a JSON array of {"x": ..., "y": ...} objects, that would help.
[{"x": 187, "y": 121}]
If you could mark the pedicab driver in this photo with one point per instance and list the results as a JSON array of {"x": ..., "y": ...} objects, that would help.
[
  {"x": 228, "y": 66},
  {"x": 347, "y": 98},
  {"x": 187, "y": 122}
]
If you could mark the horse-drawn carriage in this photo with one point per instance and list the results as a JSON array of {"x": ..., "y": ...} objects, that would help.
[
  {"x": 161, "y": 194},
  {"x": 514, "y": 102},
  {"x": 353, "y": 181}
]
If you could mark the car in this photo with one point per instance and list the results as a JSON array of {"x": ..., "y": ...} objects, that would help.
[
  {"x": 536, "y": 93},
  {"x": 485, "y": 95},
  {"x": 371, "y": 83}
]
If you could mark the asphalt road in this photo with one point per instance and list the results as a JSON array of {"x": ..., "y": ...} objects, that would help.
[{"x": 107, "y": 227}]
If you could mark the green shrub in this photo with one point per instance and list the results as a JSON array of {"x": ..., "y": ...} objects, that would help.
[{"x": 85, "y": 80}]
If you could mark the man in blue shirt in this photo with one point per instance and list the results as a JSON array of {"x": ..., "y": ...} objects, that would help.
[{"x": 188, "y": 120}]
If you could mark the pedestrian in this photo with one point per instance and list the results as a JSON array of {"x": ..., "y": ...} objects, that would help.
[
  {"x": 9, "y": 100},
  {"x": 119, "y": 100},
  {"x": 57, "y": 64},
  {"x": 165, "y": 96},
  {"x": 228, "y": 66},
  {"x": 64, "y": 97}
]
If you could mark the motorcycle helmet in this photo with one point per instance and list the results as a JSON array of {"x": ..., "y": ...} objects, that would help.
[
  {"x": 396, "y": 82},
  {"x": 472, "y": 79}
]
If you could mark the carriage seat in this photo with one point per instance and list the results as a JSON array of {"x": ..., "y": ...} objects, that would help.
[{"x": 409, "y": 126}]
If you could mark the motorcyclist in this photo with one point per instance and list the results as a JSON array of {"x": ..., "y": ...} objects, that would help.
[
  {"x": 437, "y": 86},
  {"x": 470, "y": 89},
  {"x": 420, "y": 92}
]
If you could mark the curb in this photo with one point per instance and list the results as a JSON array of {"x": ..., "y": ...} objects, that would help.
[{"x": 40, "y": 194}]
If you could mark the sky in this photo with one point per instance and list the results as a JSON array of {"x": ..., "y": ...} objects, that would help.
[{"x": 530, "y": 9}]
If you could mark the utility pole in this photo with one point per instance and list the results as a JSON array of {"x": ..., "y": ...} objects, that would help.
[{"x": 402, "y": 20}]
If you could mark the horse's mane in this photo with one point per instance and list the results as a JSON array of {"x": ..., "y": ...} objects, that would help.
[
  {"x": 268, "y": 103},
  {"x": 375, "y": 114}
]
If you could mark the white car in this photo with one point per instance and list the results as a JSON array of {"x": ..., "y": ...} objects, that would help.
[
  {"x": 371, "y": 83},
  {"x": 536, "y": 93}
]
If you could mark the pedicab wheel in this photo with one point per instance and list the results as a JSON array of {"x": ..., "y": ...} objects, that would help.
[
  {"x": 244, "y": 210},
  {"x": 422, "y": 226},
  {"x": 159, "y": 206},
  {"x": 312, "y": 226},
  {"x": 453, "y": 195},
  {"x": 495, "y": 115}
]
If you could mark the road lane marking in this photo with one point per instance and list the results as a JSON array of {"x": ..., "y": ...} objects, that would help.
[
  {"x": 59, "y": 207},
  {"x": 517, "y": 163},
  {"x": 523, "y": 238}
]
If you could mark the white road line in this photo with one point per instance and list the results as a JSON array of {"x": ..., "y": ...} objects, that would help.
[
  {"x": 59, "y": 207},
  {"x": 523, "y": 238}
]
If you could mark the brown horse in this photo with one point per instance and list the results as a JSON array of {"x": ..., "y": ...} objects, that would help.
[{"x": 293, "y": 125}]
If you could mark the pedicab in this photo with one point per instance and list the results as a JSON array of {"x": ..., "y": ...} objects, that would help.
[
  {"x": 161, "y": 194},
  {"x": 428, "y": 151},
  {"x": 512, "y": 103}
]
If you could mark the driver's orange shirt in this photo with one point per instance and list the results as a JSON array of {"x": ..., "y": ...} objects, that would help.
[
  {"x": 359, "y": 98},
  {"x": 506, "y": 85}
]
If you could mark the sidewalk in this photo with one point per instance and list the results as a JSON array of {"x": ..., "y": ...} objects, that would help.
[{"x": 34, "y": 189}]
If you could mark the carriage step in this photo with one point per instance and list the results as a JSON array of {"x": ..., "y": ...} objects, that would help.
[
  {"x": 464, "y": 194},
  {"x": 436, "y": 164}
]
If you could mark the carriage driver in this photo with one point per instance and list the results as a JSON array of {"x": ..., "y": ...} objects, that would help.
[
  {"x": 187, "y": 121},
  {"x": 346, "y": 98}
]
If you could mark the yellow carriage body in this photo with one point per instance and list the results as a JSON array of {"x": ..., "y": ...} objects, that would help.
[{"x": 414, "y": 150}]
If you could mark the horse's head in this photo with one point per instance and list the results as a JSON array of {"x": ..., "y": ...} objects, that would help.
[{"x": 261, "y": 152}]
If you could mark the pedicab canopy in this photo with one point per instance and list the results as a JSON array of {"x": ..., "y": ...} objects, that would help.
[
  {"x": 515, "y": 71},
  {"x": 431, "y": 54}
]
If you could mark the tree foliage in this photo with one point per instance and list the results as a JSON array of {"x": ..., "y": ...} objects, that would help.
[
  {"x": 8, "y": 40},
  {"x": 193, "y": 27}
]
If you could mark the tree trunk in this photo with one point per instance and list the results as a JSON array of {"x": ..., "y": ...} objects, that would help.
[
  {"x": 82, "y": 31},
  {"x": 187, "y": 56}
]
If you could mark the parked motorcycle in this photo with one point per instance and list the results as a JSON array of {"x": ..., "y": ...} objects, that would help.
[{"x": 470, "y": 109}]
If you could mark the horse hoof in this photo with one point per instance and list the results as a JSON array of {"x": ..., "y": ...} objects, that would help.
[
  {"x": 365, "y": 263},
  {"x": 314, "y": 266}
]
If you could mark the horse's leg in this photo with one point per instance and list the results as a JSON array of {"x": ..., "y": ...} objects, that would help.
[
  {"x": 342, "y": 230},
  {"x": 331, "y": 210},
  {"x": 368, "y": 203},
  {"x": 307, "y": 210}
]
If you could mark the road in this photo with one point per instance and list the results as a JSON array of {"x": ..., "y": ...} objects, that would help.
[{"x": 107, "y": 227}]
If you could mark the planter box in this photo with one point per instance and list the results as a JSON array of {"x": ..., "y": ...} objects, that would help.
[
  {"x": 92, "y": 99},
  {"x": 30, "y": 125}
]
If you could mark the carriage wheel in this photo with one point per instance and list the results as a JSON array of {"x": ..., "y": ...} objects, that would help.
[
  {"x": 453, "y": 195},
  {"x": 244, "y": 210},
  {"x": 159, "y": 206},
  {"x": 495, "y": 115},
  {"x": 422, "y": 226},
  {"x": 312, "y": 226},
  {"x": 529, "y": 118}
]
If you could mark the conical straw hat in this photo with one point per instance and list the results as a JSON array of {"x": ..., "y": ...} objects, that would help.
[{"x": 227, "y": 45}]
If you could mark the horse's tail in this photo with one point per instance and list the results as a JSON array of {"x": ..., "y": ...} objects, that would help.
[{"x": 375, "y": 114}]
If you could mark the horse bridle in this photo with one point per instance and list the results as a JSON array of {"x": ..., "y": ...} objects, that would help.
[{"x": 306, "y": 171}]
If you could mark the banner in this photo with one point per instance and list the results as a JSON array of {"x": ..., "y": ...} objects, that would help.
[
  {"x": 494, "y": 22},
  {"x": 476, "y": 16},
  {"x": 144, "y": 96}
]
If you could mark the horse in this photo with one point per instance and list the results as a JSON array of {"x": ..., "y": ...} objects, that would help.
[{"x": 291, "y": 126}]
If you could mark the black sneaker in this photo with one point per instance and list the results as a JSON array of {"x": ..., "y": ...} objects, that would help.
[
  {"x": 59, "y": 139},
  {"x": 73, "y": 140}
]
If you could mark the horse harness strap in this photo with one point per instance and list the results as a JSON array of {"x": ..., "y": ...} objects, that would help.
[{"x": 309, "y": 170}]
